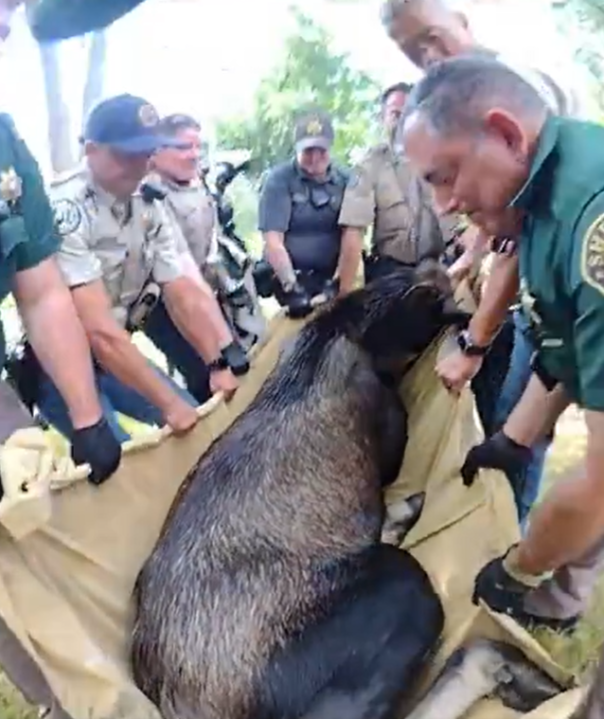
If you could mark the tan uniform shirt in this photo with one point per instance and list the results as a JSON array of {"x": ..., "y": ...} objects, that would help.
[
  {"x": 193, "y": 208},
  {"x": 123, "y": 244},
  {"x": 384, "y": 192}
]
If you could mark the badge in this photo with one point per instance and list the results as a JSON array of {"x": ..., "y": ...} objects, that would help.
[
  {"x": 592, "y": 255},
  {"x": 10, "y": 185},
  {"x": 314, "y": 127},
  {"x": 68, "y": 216},
  {"x": 147, "y": 115},
  {"x": 529, "y": 304}
]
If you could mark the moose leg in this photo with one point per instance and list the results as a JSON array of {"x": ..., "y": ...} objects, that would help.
[
  {"x": 401, "y": 517},
  {"x": 485, "y": 668},
  {"x": 360, "y": 658}
]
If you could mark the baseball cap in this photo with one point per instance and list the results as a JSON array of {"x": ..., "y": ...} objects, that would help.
[
  {"x": 129, "y": 124},
  {"x": 313, "y": 129}
]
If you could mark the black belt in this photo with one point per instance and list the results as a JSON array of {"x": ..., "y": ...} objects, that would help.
[{"x": 381, "y": 265}]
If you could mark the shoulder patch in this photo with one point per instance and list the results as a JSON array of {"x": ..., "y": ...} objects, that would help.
[
  {"x": 68, "y": 216},
  {"x": 592, "y": 255}
]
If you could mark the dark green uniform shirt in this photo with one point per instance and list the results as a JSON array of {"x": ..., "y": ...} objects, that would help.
[
  {"x": 27, "y": 233},
  {"x": 562, "y": 256}
]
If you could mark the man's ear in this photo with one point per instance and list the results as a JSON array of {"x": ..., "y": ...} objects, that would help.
[
  {"x": 463, "y": 19},
  {"x": 502, "y": 124}
]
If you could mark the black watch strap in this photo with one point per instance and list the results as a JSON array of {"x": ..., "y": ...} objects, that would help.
[
  {"x": 468, "y": 347},
  {"x": 218, "y": 364}
]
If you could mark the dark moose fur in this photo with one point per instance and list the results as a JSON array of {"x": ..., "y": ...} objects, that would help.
[{"x": 269, "y": 594}]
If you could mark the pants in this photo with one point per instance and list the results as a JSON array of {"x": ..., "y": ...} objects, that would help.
[
  {"x": 160, "y": 329},
  {"x": 527, "y": 483},
  {"x": 114, "y": 396},
  {"x": 488, "y": 383},
  {"x": 16, "y": 663}
]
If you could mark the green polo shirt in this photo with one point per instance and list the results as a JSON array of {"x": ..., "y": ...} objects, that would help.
[
  {"x": 27, "y": 234},
  {"x": 561, "y": 255}
]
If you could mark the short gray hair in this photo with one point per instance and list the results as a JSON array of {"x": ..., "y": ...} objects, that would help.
[
  {"x": 454, "y": 93},
  {"x": 390, "y": 10}
]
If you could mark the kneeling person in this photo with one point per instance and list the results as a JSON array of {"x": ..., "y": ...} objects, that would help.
[
  {"x": 225, "y": 270},
  {"x": 117, "y": 250}
]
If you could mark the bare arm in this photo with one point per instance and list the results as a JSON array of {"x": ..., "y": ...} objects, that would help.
[
  {"x": 570, "y": 521},
  {"x": 274, "y": 214},
  {"x": 537, "y": 412},
  {"x": 474, "y": 243},
  {"x": 112, "y": 347},
  {"x": 498, "y": 295},
  {"x": 350, "y": 258},
  {"x": 278, "y": 257},
  {"x": 188, "y": 307},
  {"x": 58, "y": 339}
]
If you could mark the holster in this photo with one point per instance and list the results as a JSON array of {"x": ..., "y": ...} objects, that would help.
[
  {"x": 143, "y": 305},
  {"x": 377, "y": 266},
  {"x": 23, "y": 373}
]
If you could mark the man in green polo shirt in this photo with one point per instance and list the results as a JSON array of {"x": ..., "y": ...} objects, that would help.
[
  {"x": 28, "y": 270},
  {"x": 487, "y": 144}
]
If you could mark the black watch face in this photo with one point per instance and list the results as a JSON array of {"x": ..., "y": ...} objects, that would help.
[{"x": 468, "y": 348}]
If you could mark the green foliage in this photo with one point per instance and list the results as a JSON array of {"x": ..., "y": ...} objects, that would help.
[
  {"x": 587, "y": 17},
  {"x": 309, "y": 74}
]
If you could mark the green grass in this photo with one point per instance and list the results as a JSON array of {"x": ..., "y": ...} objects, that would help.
[{"x": 577, "y": 653}]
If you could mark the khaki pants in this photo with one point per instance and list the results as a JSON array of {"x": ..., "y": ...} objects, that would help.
[{"x": 16, "y": 663}]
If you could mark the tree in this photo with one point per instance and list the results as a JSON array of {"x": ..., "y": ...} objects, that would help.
[
  {"x": 59, "y": 131},
  {"x": 309, "y": 74},
  {"x": 587, "y": 19},
  {"x": 60, "y": 140}
]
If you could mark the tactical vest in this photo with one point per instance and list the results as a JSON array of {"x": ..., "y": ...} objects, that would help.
[
  {"x": 313, "y": 238},
  {"x": 568, "y": 172}
]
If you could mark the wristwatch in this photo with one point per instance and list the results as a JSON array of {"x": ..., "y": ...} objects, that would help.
[
  {"x": 218, "y": 365},
  {"x": 469, "y": 347}
]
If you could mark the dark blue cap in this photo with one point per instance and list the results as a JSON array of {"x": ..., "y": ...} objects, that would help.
[{"x": 128, "y": 124}]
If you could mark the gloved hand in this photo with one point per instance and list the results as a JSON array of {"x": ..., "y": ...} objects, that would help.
[
  {"x": 502, "y": 586},
  {"x": 497, "y": 452},
  {"x": 237, "y": 359},
  {"x": 98, "y": 447},
  {"x": 298, "y": 302}
]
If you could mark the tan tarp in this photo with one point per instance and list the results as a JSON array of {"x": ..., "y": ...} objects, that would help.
[{"x": 65, "y": 585}]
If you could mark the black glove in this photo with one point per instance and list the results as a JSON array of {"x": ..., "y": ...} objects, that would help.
[
  {"x": 264, "y": 278},
  {"x": 501, "y": 588},
  {"x": 98, "y": 447},
  {"x": 236, "y": 356},
  {"x": 497, "y": 452},
  {"x": 298, "y": 303}
]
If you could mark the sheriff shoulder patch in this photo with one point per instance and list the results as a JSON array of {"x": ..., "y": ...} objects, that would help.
[
  {"x": 592, "y": 255},
  {"x": 68, "y": 216}
]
